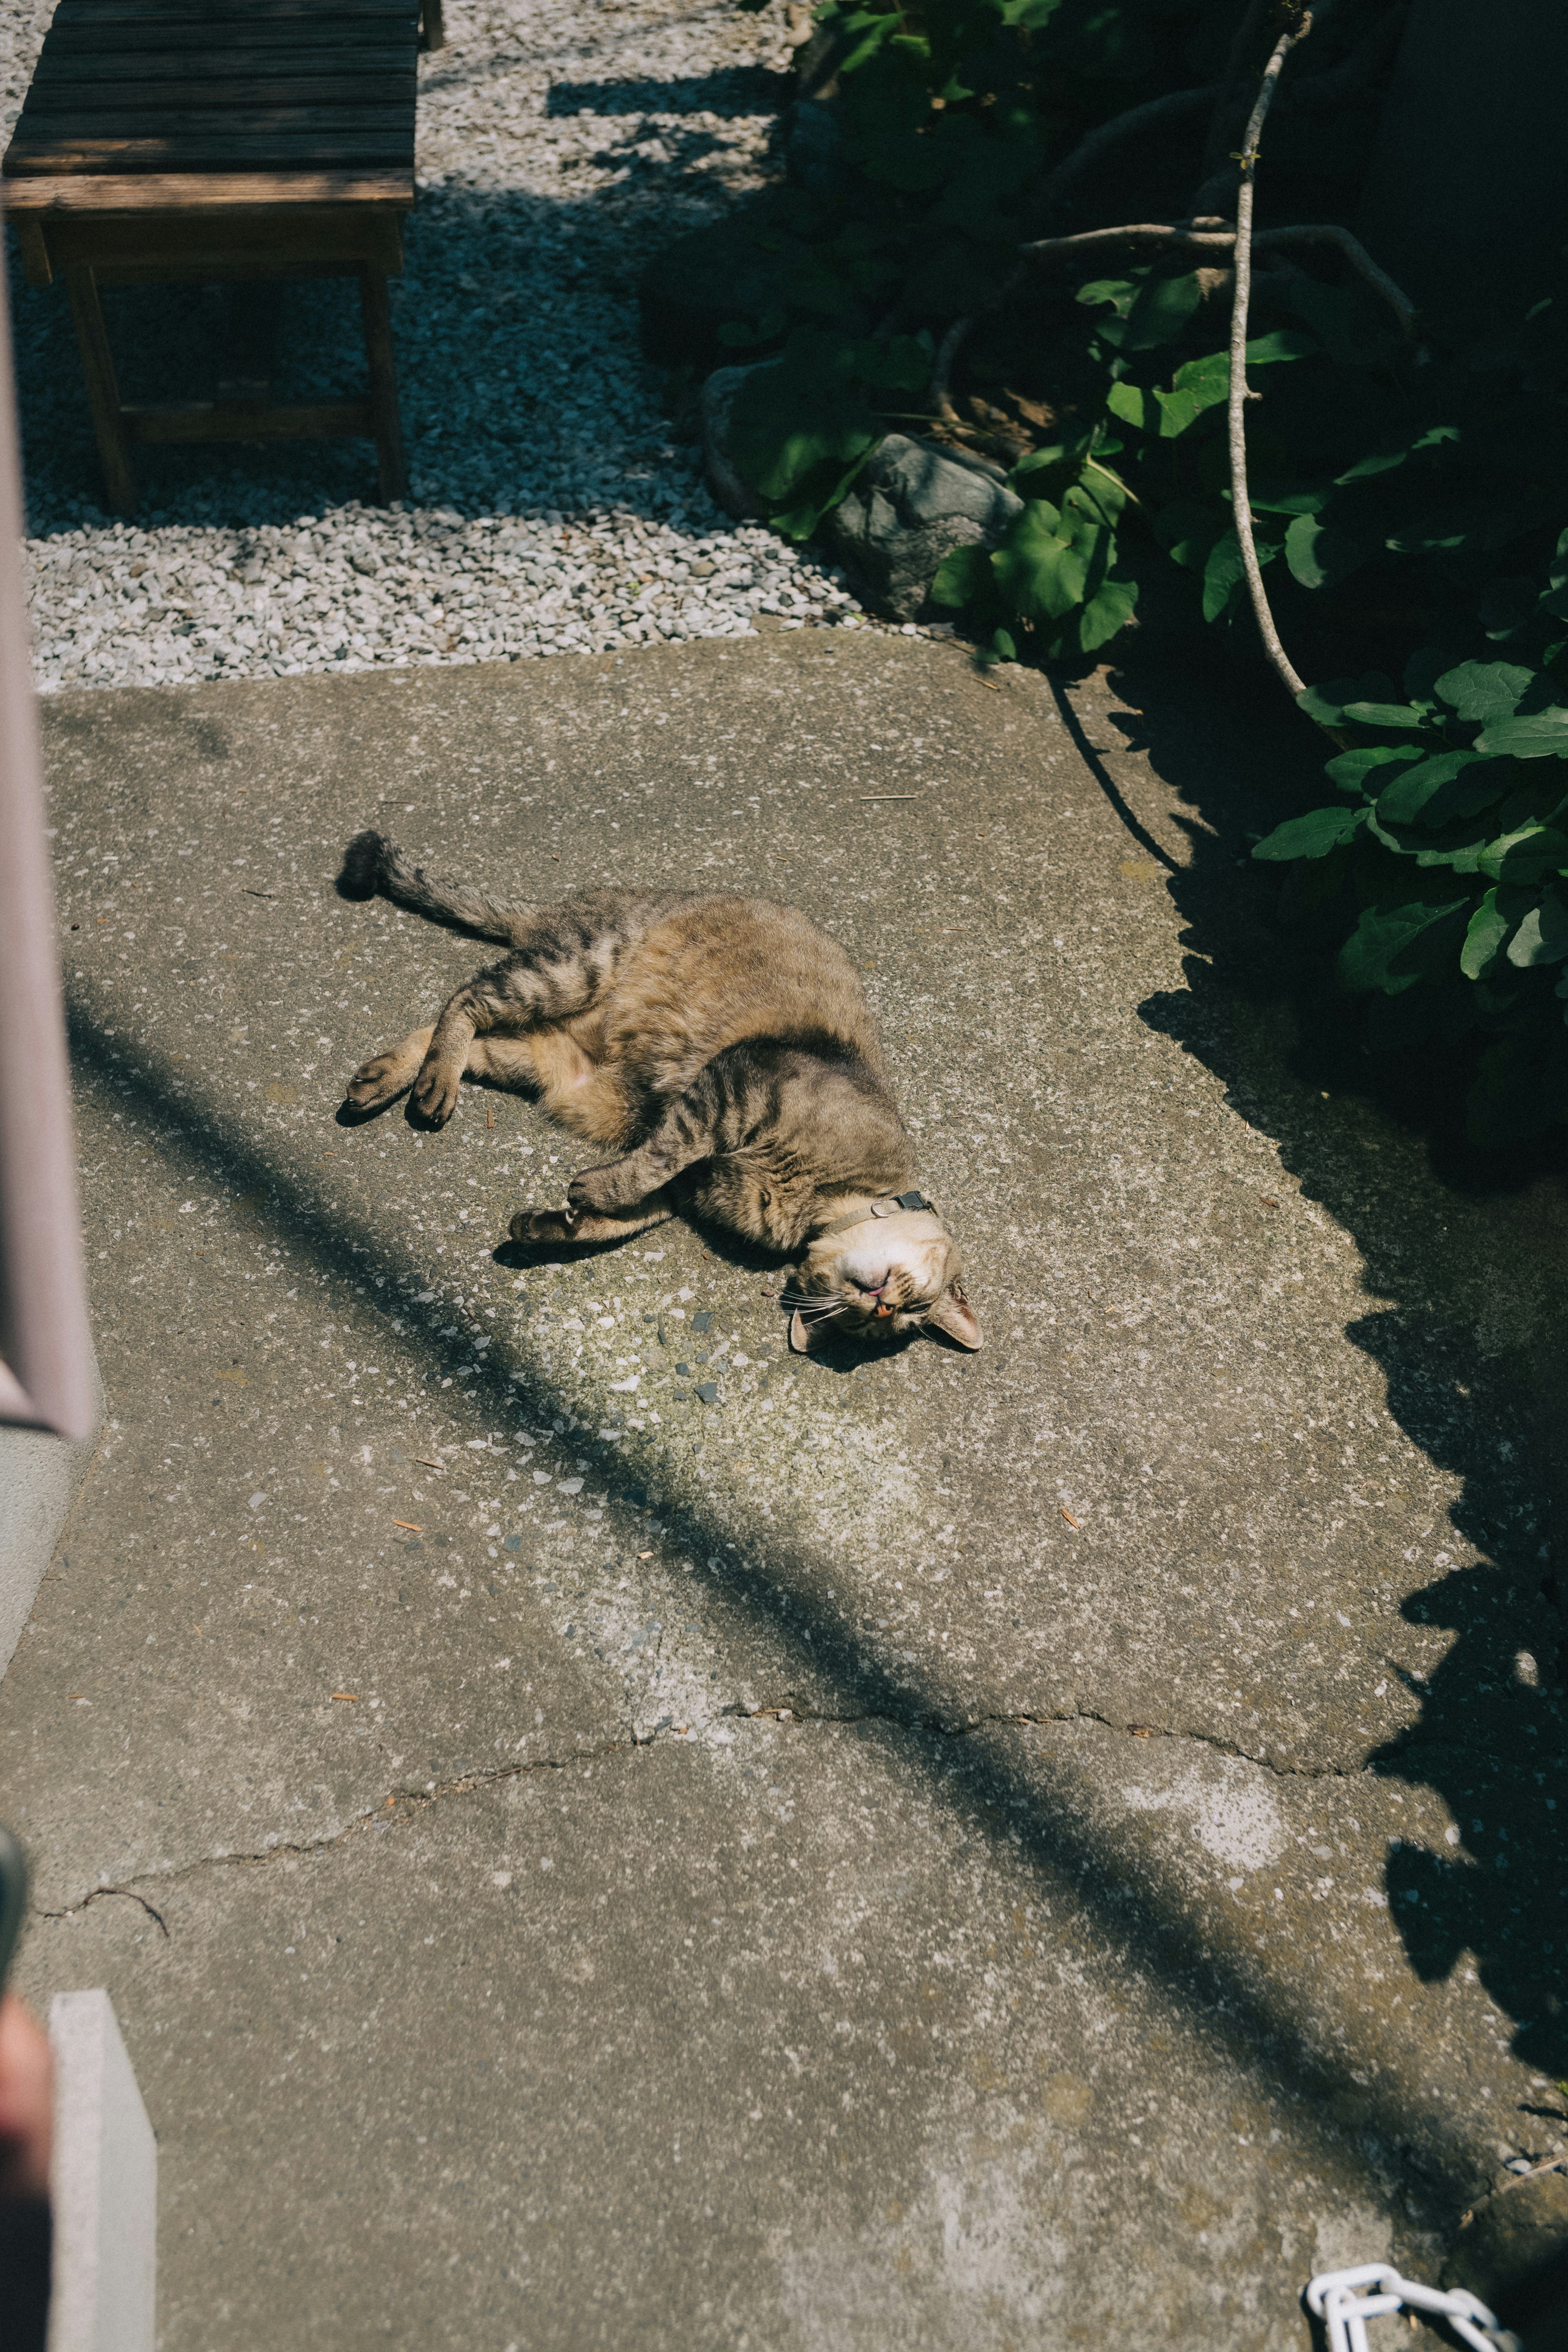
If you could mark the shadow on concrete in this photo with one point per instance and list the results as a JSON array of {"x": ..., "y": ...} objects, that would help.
[
  {"x": 1467, "y": 1255},
  {"x": 1231, "y": 2011}
]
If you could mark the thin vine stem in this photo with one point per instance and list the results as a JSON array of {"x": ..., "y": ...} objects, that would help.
[{"x": 1236, "y": 407}]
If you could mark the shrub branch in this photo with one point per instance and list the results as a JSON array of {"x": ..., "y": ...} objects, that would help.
[{"x": 1236, "y": 407}]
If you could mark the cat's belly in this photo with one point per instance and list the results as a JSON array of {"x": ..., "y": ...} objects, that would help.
[{"x": 718, "y": 973}]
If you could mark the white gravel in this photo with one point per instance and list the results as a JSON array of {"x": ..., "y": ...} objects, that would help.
[{"x": 561, "y": 141}]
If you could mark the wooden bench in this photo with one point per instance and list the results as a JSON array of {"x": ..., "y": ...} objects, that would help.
[{"x": 238, "y": 140}]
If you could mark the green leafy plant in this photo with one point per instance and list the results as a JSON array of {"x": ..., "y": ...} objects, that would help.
[
  {"x": 1449, "y": 848},
  {"x": 1407, "y": 500}
]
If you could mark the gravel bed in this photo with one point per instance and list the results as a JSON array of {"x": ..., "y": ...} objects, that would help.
[{"x": 552, "y": 508}]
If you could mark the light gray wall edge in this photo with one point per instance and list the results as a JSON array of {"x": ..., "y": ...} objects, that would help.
[
  {"x": 104, "y": 2184},
  {"x": 40, "y": 1478}
]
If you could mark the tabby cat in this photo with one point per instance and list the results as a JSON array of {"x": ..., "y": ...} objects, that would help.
[{"x": 682, "y": 1031}]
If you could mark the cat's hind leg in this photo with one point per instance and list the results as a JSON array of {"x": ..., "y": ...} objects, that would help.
[
  {"x": 559, "y": 1225},
  {"x": 505, "y": 1061},
  {"x": 382, "y": 1079}
]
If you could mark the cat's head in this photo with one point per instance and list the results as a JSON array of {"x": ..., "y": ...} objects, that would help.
[{"x": 882, "y": 1278}]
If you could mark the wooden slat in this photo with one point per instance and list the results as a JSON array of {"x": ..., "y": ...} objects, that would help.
[
  {"x": 75, "y": 100},
  {"x": 306, "y": 33},
  {"x": 226, "y": 64},
  {"x": 206, "y": 421},
  {"x": 78, "y": 13},
  {"x": 181, "y": 192},
  {"x": 301, "y": 150},
  {"x": 285, "y": 241},
  {"x": 216, "y": 123}
]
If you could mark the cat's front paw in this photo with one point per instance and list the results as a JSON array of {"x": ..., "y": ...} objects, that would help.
[
  {"x": 435, "y": 1093},
  {"x": 375, "y": 1082},
  {"x": 594, "y": 1190},
  {"x": 543, "y": 1225}
]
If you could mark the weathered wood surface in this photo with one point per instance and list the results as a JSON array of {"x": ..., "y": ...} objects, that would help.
[
  {"x": 216, "y": 192},
  {"x": 202, "y": 86}
]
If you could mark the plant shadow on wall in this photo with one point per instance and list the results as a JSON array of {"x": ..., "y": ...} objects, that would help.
[{"x": 1466, "y": 1251}]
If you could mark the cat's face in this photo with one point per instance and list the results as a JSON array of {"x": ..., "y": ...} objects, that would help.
[{"x": 886, "y": 1278}]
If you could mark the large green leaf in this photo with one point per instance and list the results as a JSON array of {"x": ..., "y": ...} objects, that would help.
[
  {"x": 1529, "y": 854},
  {"x": 1329, "y": 703},
  {"x": 1160, "y": 311},
  {"x": 1391, "y": 948},
  {"x": 1354, "y": 772},
  {"x": 1320, "y": 553},
  {"x": 963, "y": 576},
  {"x": 1385, "y": 714},
  {"x": 1224, "y": 574},
  {"x": 1543, "y": 936},
  {"x": 1129, "y": 403},
  {"x": 797, "y": 415},
  {"x": 1488, "y": 927},
  {"x": 1541, "y": 735},
  {"x": 1312, "y": 835},
  {"x": 1451, "y": 785},
  {"x": 1041, "y": 567},
  {"x": 1201, "y": 384},
  {"x": 1109, "y": 609},
  {"x": 1482, "y": 689}
]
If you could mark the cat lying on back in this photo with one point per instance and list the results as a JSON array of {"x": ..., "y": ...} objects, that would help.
[{"x": 681, "y": 1031}]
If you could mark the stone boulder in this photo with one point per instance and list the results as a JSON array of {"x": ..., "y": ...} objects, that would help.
[
  {"x": 714, "y": 409},
  {"x": 912, "y": 504}
]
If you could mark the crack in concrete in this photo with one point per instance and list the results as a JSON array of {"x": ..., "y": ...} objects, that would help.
[
  {"x": 950, "y": 1730},
  {"x": 403, "y": 1803},
  {"x": 97, "y": 1895}
]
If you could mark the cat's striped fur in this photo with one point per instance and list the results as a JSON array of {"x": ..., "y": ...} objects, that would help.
[{"x": 724, "y": 1037}]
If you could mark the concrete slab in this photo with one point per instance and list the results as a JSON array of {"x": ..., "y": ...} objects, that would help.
[{"x": 1197, "y": 1629}]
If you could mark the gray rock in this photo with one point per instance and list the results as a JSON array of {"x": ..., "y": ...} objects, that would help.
[
  {"x": 815, "y": 157},
  {"x": 717, "y": 404},
  {"x": 911, "y": 504}
]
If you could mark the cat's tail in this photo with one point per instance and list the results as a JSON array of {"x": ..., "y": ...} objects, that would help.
[{"x": 373, "y": 866}]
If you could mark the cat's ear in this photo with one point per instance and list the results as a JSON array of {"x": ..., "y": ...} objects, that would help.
[{"x": 954, "y": 1315}]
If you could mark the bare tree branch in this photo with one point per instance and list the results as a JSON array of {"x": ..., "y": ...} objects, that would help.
[
  {"x": 1218, "y": 131},
  {"x": 952, "y": 343},
  {"x": 1360, "y": 260},
  {"x": 1176, "y": 237},
  {"x": 1236, "y": 409}
]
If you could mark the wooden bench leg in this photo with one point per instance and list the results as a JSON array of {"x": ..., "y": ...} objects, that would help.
[
  {"x": 432, "y": 30},
  {"x": 392, "y": 475},
  {"x": 102, "y": 388}
]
